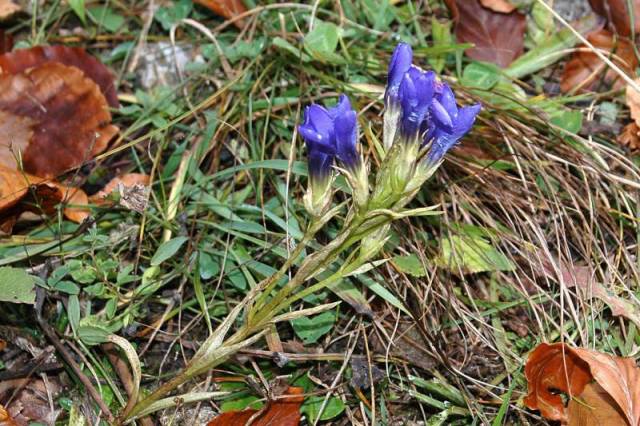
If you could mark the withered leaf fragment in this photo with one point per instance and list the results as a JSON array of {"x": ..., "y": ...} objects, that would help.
[
  {"x": 62, "y": 113},
  {"x": 225, "y": 8},
  {"x": 281, "y": 412},
  {"x": 617, "y": 14},
  {"x": 558, "y": 367},
  {"x": 21, "y": 192},
  {"x": 585, "y": 68},
  {"x": 23, "y": 59}
]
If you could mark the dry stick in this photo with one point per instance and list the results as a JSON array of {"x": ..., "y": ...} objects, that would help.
[
  {"x": 66, "y": 355},
  {"x": 602, "y": 57}
]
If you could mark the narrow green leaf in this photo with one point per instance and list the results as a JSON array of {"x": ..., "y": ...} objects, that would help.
[{"x": 167, "y": 250}]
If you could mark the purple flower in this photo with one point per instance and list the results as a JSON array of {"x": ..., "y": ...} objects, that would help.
[
  {"x": 416, "y": 97},
  {"x": 330, "y": 133},
  {"x": 398, "y": 67},
  {"x": 442, "y": 137}
]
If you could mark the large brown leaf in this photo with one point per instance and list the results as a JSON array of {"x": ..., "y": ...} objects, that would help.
[
  {"x": 21, "y": 192},
  {"x": 585, "y": 69},
  {"x": 225, "y": 8},
  {"x": 281, "y": 412},
  {"x": 594, "y": 407},
  {"x": 559, "y": 367},
  {"x": 618, "y": 15},
  {"x": 22, "y": 59},
  {"x": 52, "y": 117},
  {"x": 498, "y": 37}
]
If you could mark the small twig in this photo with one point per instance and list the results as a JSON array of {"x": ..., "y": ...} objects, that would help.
[{"x": 66, "y": 355}]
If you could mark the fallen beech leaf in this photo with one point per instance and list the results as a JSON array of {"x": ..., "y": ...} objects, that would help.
[
  {"x": 5, "y": 418},
  {"x": 617, "y": 14},
  {"x": 559, "y": 367},
  {"x": 545, "y": 372},
  {"x": 8, "y": 8},
  {"x": 281, "y": 412},
  {"x": 501, "y": 6},
  {"x": 594, "y": 407},
  {"x": 498, "y": 37},
  {"x": 22, "y": 59},
  {"x": 630, "y": 137},
  {"x": 633, "y": 102},
  {"x": 64, "y": 113},
  {"x": 77, "y": 197},
  {"x": 21, "y": 192},
  {"x": 584, "y": 69},
  {"x": 225, "y": 8}
]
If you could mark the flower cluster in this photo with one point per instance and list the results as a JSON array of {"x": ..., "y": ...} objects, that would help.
[
  {"x": 423, "y": 108},
  {"x": 422, "y": 121}
]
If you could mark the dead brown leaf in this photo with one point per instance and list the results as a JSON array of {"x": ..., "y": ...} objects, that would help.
[
  {"x": 282, "y": 412},
  {"x": 630, "y": 137},
  {"x": 500, "y": 6},
  {"x": 226, "y": 8},
  {"x": 581, "y": 277},
  {"x": 498, "y": 37},
  {"x": 5, "y": 418},
  {"x": 633, "y": 102},
  {"x": 21, "y": 192},
  {"x": 8, "y": 8},
  {"x": 53, "y": 118},
  {"x": 594, "y": 407},
  {"x": 617, "y": 14},
  {"x": 559, "y": 367},
  {"x": 585, "y": 69},
  {"x": 23, "y": 59}
]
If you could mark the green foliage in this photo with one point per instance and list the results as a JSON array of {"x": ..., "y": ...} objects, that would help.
[
  {"x": 472, "y": 253},
  {"x": 481, "y": 75},
  {"x": 311, "y": 329},
  {"x": 17, "y": 286},
  {"x": 409, "y": 264},
  {"x": 107, "y": 18},
  {"x": 242, "y": 404},
  {"x": 167, "y": 250},
  {"x": 170, "y": 15},
  {"x": 311, "y": 408},
  {"x": 78, "y": 7},
  {"x": 322, "y": 41}
]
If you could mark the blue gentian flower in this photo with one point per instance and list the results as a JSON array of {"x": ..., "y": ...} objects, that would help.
[
  {"x": 330, "y": 133},
  {"x": 416, "y": 97},
  {"x": 317, "y": 131},
  {"x": 443, "y": 138},
  {"x": 398, "y": 67}
]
